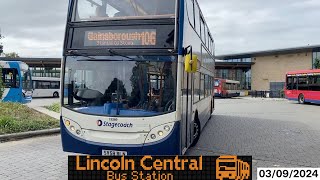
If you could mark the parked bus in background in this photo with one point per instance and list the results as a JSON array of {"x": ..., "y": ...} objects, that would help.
[
  {"x": 46, "y": 87},
  {"x": 138, "y": 75},
  {"x": 226, "y": 88},
  {"x": 16, "y": 79},
  {"x": 303, "y": 86}
]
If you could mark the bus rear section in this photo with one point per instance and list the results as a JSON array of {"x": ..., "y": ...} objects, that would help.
[
  {"x": 226, "y": 88},
  {"x": 303, "y": 86},
  {"x": 16, "y": 78}
]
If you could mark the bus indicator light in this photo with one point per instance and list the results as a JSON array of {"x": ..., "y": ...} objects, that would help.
[
  {"x": 67, "y": 122},
  {"x": 72, "y": 128},
  {"x": 167, "y": 128},
  {"x": 78, "y": 132}
]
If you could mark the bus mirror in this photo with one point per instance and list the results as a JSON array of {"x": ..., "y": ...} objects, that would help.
[{"x": 191, "y": 64}]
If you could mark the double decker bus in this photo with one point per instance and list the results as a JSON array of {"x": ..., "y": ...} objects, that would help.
[
  {"x": 137, "y": 77},
  {"x": 303, "y": 86},
  {"x": 16, "y": 79},
  {"x": 226, "y": 88}
]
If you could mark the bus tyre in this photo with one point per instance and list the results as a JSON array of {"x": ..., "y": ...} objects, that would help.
[
  {"x": 196, "y": 132},
  {"x": 55, "y": 94},
  {"x": 301, "y": 99}
]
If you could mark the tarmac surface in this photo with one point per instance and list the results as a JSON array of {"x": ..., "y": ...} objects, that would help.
[{"x": 277, "y": 133}]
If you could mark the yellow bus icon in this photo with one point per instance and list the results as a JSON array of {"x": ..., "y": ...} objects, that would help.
[{"x": 230, "y": 167}]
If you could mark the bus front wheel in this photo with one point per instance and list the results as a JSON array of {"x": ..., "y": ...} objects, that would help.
[
  {"x": 196, "y": 132},
  {"x": 301, "y": 99}
]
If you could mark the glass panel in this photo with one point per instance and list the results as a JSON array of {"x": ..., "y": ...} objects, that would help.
[
  {"x": 112, "y": 86},
  {"x": 10, "y": 78},
  {"x": 197, "y": 18},
  {"x": 26, "y": 80},
  {"x": 216, "y": 83},
  {"x": 289, "y": 83},
  {"x": 196, "y": 88},
  {"x": 54, "y": 85},
  {"x": 203, "y": 31},
  {"x": 303, "y": 83},
  {"x": 314, "y": 83},
  {"x": 191, "y": 12},
  {"x": 95, "y": 10},
  {"x": 202, "y": 87}
]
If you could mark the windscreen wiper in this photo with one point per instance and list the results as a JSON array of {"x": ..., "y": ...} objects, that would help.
[
  {"x": 112, "y": 52},
  {"x": 76, "y": 53}
]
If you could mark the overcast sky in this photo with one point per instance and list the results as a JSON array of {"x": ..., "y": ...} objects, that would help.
[{"x": 35, "y": 28}]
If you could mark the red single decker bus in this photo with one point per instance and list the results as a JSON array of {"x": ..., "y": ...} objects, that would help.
[
  {"x": 226, "y": 88},
  {"x": 303, "y": 86}
]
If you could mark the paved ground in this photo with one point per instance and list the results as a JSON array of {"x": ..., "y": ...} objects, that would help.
[
  {"x": 276, "y": 133},
  {"x": 39, "y": 103},
  {"x": 36, "y": 102}
]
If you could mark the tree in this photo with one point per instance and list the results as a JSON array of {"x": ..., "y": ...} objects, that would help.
[
  {"x": 1, "y": 46},
  {"x": 11, "y": 55},
  {"x": 1, "y": 84},
  {"x": 316, "y": 63}
]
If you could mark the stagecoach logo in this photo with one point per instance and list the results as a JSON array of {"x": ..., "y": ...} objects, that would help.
[
  {"x": 114, "y": 124},
  {"x": 99, "y": 123},
  {"x": 230, "y": 167}
]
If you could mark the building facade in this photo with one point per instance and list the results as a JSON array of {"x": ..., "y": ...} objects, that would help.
[{"x": 268, "y": 68}]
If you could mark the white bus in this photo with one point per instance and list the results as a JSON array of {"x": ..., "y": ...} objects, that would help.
[
  {"x": 130, "y": 84},
  {"x": 46, "y": 87}
]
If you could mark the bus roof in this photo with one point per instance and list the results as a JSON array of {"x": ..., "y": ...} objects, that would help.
[{"x": 304, "y": 71}]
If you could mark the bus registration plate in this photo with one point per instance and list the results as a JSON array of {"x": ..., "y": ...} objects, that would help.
[{"x": 113, "y": 153}]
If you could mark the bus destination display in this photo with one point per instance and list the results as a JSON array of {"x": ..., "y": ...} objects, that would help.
[{"x": 127, "y": 37}]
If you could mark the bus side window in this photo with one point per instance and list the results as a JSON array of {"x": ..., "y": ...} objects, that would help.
[
  {"x": 294, "y": 84},
  {"x": 289, "y": 83},
  {"x": 303, "y": 83},
  {"x": 314, "y": 83}
]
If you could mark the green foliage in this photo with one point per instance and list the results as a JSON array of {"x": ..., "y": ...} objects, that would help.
[
  {"x": 11, "y": 55},
  {"x": 54, "y": 107},
  {"x": 16, "y": 118},
  {"x": 1, "y": 84},
  {"x": 316, "y": 63}
]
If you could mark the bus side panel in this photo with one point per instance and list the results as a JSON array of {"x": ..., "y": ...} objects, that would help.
[
  {"x": 290, "y": 95},
  {"x": 312, "y": 96},
  {"x": 191, "y": 37},
  {"x": 167, "y": 146},
  {"x": 14, "y": 94}
]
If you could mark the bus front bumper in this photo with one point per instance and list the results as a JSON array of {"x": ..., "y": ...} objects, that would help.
[{"x": 168, "y": 146}]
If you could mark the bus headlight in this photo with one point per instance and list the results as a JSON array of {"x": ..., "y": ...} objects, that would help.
[
  {"x": 159, "y": 132},
  {"x": 73, "y": 127},
  {"x": 153, "y": 136}
]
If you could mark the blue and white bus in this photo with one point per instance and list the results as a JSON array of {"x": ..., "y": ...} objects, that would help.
[
  {"x": 138, "y": 77},
  {"x": 16, "y": 78}
]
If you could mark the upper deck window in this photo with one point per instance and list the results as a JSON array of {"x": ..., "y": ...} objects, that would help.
[{"x": 98, "y": 10}]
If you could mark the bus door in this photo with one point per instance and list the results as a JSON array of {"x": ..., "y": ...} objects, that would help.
[
  {"x": 187, "y": 102},
  {"x": 295, "y": 87}
]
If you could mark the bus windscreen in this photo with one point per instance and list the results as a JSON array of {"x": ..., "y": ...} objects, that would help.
[{"x": 97, "y": 10}]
